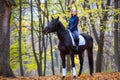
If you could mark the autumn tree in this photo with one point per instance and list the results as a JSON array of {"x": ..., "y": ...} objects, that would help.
[
  {"x": 35, "y": 51},
  {"x": 20, "y": 38},
  {"x": 5, "y": 13},
  {"x": 116, "y": 36}
]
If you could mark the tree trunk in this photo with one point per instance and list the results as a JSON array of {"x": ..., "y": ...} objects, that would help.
[
  {"x": 51, "y": 52},
  {"x": 40, "y": 38},
  {"x": 100, "y": 54},
  {"x": 117, "y": 55},
  {"x": 32, "y": 39},
  {"x": 119, "y": 30},
  {"x": 101, "y": 40},
  {"x": 20, "y": 36},
  {"x": 43, "y": 39},
  {"x": 5, "y": 13},
  {"x": 44, "y": 46}
]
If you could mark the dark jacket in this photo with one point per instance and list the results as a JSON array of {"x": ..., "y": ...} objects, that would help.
[{"x": 73, "y": 22}]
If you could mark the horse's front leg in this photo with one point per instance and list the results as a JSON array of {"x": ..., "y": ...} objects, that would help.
[
  {"x": 63, "y": 64},
  {"x": 73, "y": 65}
]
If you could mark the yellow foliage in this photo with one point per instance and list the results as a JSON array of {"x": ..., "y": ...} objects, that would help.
[
  {"x": 54, "y": 49},
  {"x": 80, "y": 1},
  {"x": 95, "y": 47},
  {"x": 42, "y": 6},
  {"x": 76, "y": 60},
  {"x": 25, "y": 23},
  {"x": 24, "y": 29}
]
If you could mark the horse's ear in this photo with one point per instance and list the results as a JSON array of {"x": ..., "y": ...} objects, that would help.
[
  {"x": 57, "y": 18},
  {"x": 52, "y": 17}
]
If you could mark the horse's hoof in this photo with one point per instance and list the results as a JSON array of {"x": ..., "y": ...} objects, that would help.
[
  {"x": 63, "y": 77},
  {"x": 91, "y": 75},
  {"x": 79, "y": 74},
  {"x": 74, "y": 77}
]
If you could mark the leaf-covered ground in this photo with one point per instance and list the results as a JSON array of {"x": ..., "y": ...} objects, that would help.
[{"x": 97, "y": 76}]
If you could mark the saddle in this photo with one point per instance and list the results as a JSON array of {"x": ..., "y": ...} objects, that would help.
[{"x": 81, "y": 39}]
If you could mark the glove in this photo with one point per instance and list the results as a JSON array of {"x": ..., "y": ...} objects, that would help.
[{"x": 69, "y": 28}]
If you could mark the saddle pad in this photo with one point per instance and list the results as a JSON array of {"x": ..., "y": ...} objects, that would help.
[{"x": 81, "y": 39}]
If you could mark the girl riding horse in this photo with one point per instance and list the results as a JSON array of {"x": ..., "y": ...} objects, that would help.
[
  {"x": 73, "y": 22},
  {"x": 65, "y": 46}
]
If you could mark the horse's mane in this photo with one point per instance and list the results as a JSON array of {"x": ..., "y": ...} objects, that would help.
[{"x": 61, "y": 25}]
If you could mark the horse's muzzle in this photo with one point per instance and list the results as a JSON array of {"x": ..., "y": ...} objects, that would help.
[{"x": 45, "y": 31}]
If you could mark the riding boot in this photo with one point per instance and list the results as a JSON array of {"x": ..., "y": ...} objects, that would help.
[{"x": 77, "y": 45}]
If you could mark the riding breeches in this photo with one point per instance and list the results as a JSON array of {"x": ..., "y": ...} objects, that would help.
[{"x": 75, "y": 34}]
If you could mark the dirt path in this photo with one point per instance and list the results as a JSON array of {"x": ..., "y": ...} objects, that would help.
[{"x": 97, "y": 76}]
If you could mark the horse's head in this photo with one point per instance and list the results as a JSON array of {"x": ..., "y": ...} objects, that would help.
[{"x": 52, "y": 26}]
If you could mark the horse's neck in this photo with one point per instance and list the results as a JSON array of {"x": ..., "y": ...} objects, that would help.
[{"x": 61, "y": 33}]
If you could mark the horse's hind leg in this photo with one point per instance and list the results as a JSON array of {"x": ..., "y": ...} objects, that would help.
[
  {"x": 81, "y": 63},
  {"x": 90, "y": 59}
]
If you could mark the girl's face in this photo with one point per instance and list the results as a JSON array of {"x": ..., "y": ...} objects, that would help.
[{"x": 74, "y": 12}]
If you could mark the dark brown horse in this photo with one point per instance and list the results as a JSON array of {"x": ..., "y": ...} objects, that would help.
[{"x": 66, "y": 47}]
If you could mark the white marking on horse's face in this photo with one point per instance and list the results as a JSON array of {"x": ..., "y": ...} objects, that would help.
[
  {"x": 74, "y": 71},
  {"x": 64, "y": 71}
]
